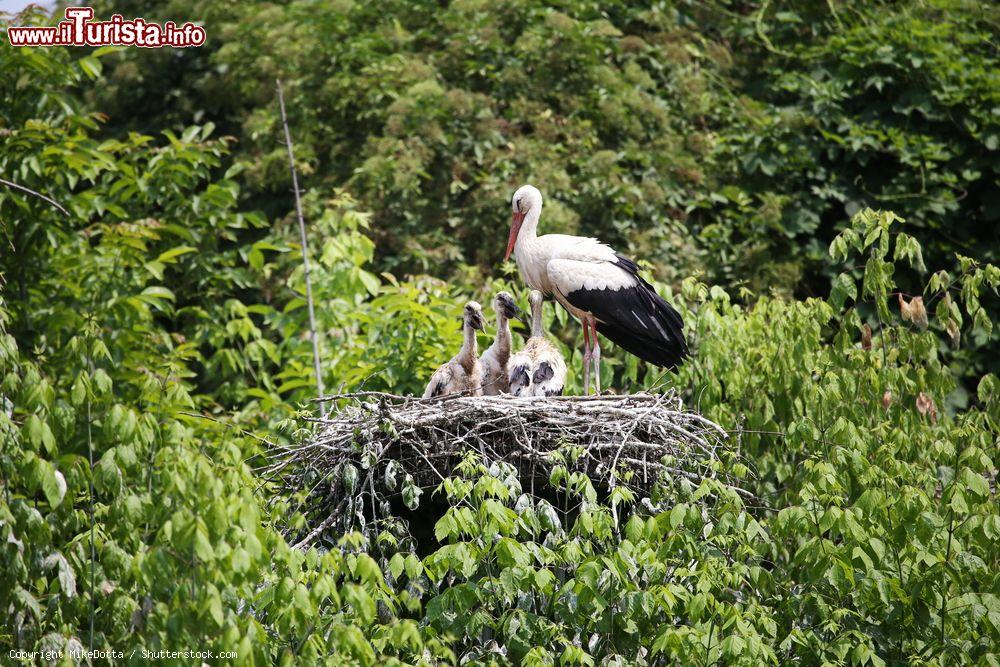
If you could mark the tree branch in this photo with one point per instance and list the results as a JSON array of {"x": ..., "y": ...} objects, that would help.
[{"x": 22, "y": 188}]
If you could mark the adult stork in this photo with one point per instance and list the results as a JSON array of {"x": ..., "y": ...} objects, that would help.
[
  {"x": 462, "y": 374},
  {"x": 596, "y": 285},
  {"x": 539, "y": 369},
  {"x": 495, "y": 357}
]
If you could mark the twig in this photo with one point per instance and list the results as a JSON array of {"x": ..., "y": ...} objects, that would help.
[{"x": 49, "y": 200}]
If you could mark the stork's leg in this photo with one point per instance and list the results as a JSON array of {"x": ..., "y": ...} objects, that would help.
[
  {"x": 586, "y": 358},
  {"x": 595, "y": 354}
]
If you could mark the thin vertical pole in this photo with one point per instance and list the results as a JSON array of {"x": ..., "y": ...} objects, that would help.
[{"x": 305, "y": 250}]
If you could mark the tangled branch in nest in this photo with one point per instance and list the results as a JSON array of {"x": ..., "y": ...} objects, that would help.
[{"x": 350, "y": 465}]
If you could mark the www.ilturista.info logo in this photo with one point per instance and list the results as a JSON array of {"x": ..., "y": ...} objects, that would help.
[{"x": 79, "y": 30}]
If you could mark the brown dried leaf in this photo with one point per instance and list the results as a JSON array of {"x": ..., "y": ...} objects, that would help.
[
  {"x": 918, "y": 313},
  {"x": 914, "y": 311},
  {"x": 886, "y": 399},
  {"x": 904, "y": 308},
  {"x": 954, "y": 333},
  {"x": 926, "y": 407},
  {"x": 866, "y": 338}
]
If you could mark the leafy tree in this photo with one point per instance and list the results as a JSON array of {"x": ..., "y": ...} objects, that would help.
[
  {"x": 875, "y": 486},
  {"x": 724, "y": 137}
]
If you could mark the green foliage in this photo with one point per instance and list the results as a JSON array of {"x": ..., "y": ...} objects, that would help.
[
  {"x": 675, "y": 584},
  {"x": 127, "y": 518},
  {"x": 154, "y": 343},
  {"x": 883, "y": 509},
  {"x": 889, "y": 108},
  {"x": 727, "y": 138}
]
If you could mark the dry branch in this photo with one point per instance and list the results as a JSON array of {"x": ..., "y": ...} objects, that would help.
[
  {"x": 48, "y": 200},
  {"x": 305, "y": 246},
  {"x": 629, "y": 440}
]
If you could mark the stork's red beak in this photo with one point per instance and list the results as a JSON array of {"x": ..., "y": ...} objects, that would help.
[{"x": 515, "y": 227}]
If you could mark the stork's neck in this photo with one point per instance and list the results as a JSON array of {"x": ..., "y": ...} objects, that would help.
[
  {"x": 468, "y": 354},
  {"x": 529, "y": 229},
  {"x": 502, "y": 341},
  {"x": 536, "y": 319},
  {"x": 530, "y": 260}
]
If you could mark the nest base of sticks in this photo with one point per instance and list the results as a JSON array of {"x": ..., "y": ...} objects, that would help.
[{"x": 376, "y": 447}]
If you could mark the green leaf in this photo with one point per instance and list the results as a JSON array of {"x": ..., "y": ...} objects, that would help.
[
  {"x": 159, "y": 292},
  {"x": 170, "y": 256},
  {"x": 677, "y": 514},
  {"x": 213, "y": 605},
  {"x": 732, "y": 646},
  {"x": 91, "y": 67},
  {"x": 102, "y": 382},
  {"x": 445, "y": 527},
  {"x": 53, "y": 484},
  {"x": 202, "y": 546},
  {"x": 843, "y": 288},
  {"x": 64, "y": 573},
  {"x": 991, "y": 528},
  {"x": 975, "y": 483},
  {"x": 414, "y": 568},
  {"x": 241, "y": 560},
  {"x": 349, "y": 475},
  {"x": 367, "y": 570},
  {"x": 396, "y": 565},
  {"x": 78, "y": 394},
  {"x": 33, "y": 430}
]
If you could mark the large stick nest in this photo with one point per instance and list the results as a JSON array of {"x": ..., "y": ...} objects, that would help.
[{"x": 377, "y": 446}]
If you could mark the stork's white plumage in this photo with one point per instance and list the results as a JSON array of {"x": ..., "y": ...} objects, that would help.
[
  {"x": 597, "y": 286},
  {"x": 539, "y": 369},
  {"x": 462, "y": 374},
  {"x": 495, "y": 358}
]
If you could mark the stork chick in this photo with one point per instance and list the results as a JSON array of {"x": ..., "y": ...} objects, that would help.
[
  {"x": 462, "y": 374},
  {"x": 495, "y": 358},
  {"x": 539, "y": 369}
]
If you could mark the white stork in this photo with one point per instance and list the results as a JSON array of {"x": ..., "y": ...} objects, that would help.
[
  {"x": 538, "y": 369},
  {"x": 597, "y": 286},
  {"x": 463, "y": 372},
  {"x": 495, "y": 358}
]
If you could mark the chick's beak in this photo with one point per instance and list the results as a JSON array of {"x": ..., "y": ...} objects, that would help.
[{"x": 514, "y": 312}]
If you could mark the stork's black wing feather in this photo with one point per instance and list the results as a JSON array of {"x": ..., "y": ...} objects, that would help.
[
  {"x": 542, "y": 373},
  {"x": 519, "y": 380},
  {"x": 636, "y": 318}
]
